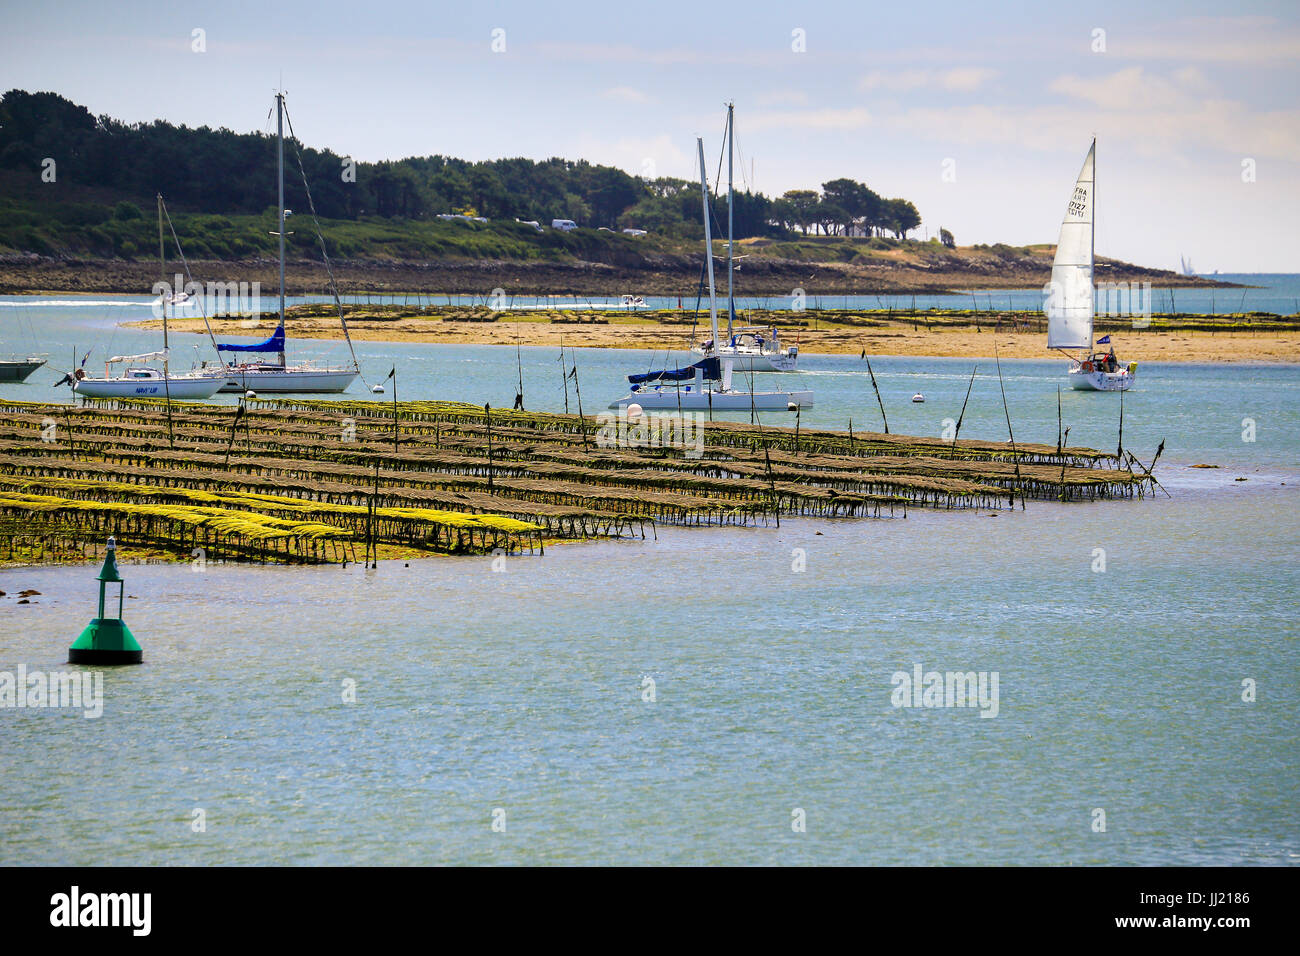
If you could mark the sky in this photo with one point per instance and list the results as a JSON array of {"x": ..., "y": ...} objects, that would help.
[{"x": 981, "y": 114}]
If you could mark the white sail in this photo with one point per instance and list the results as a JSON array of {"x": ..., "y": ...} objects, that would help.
[{"x": 1069, "y": 298}]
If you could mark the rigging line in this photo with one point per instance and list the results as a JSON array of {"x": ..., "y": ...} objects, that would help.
[
  {"x": 189, "y": 278},
  {"x": 740, "y": 154},
  {"x": 329, "y": 270},
  {"x": 722, "y": 152}
]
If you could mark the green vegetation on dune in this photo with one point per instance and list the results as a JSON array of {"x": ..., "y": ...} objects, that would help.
[{"x": 101, "y": 174}]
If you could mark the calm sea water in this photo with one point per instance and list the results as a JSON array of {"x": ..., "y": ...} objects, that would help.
[{"x": 523, "y": 690}]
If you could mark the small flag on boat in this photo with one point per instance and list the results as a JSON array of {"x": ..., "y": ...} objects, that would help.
[
  {"x": 391, "y": 374},
  {"x": 1104, "y": 340}
]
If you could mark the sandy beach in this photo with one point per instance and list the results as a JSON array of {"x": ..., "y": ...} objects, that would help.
[{"x": 890, "y": 338}]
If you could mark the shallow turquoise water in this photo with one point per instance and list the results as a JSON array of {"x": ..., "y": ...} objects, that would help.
[{"x": 522, "y": 690}]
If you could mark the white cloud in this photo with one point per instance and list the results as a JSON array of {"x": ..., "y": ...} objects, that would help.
[
  {"x": 826, "y": 119},
  {"x": 1131, "y": 88},
  {"x": 958, "y": 80},
  {"x": 1180, "y": 134},
  {"x": 626, "y": 94},
  {"x": 1248, "y": 40},
  {"x": 782, "y": 98}
]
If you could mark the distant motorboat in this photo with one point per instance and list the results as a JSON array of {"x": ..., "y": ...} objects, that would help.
[{"x": 918, "y": 398}]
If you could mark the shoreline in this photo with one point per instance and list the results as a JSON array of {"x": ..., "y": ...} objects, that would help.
[
  {"x": 668, "y": 274},
  {"x": 897, "y": 337}
]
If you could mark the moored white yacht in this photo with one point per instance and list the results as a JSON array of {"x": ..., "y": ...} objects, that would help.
[
  {"x": 138, "y": 381},
  {"x": 141, "y": 381},
  {"x": 275, "y": 377},
  {"x": 750, "y": 348},
  {"x": 706, "y": 385}
]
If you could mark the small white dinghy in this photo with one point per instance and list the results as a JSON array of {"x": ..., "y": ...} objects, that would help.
[{"x": 918, "y": 398}]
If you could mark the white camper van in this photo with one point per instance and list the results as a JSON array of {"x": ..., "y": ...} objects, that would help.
[{"x": 565, "y": 225}]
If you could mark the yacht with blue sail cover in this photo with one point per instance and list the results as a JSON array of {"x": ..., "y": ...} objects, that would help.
[
  {"x": 706, "y": 384},
  {"x": 271, "y": 377}
]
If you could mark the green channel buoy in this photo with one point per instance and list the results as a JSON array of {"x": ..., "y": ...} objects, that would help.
[{"x": 107, "y": 640}]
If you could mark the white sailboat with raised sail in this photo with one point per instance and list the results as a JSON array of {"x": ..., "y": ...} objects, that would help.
[
  {"x": 280, "y": 377},
  {"x": 707, "y": 383},
  {"x": 141, "y": 381},
  {"x": 751, "y": 348},
  {"x": 1070, "y": 306}
]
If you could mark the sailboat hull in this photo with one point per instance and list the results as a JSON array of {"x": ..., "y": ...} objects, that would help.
[
  {"x": 317, "y": 381},
  {"x": 1119, "y": 381},
  {"x": 18, "y": 371},
  {"x": 672, "y": 399},
  {"x": 178, "y": 389}
]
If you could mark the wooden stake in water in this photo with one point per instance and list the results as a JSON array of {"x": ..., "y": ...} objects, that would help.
[
  {"x": 372, "y": 540},
  {"x": 577, "y": 390},
  {"x": 519, "y": 363},
  {"x": 957, "y": 431},
  {"x": 878, "y": 399},
  {"x": 564, "y": 376},
  {"x": 1119, "y": 449},
  {"x": 1058, "y": 420},
  {"x": 234, "y": 428},
  {"x": 776, "y": 507},
  {"x": 1015, "y": 454}
]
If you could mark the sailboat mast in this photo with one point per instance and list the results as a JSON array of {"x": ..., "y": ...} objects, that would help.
[
  {"x": 731, "y": 220},
  {"x": 708, "y": 244},
  {"x": 1092, "y": 252},
  {"x": 279, "y": 134},
  {"x": 162, "y": 276}
]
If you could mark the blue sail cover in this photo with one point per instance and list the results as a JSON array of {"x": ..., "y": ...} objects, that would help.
[
  {"x": 274, "y": 344},
  {"x": 710, "y": 366}
]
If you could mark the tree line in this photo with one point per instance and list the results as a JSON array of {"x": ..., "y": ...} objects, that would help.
[{"x": 221, "y": 171}]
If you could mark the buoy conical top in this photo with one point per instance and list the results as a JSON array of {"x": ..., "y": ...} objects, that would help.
[
  {"x": 107, "y": 640},
  {"x": 109, "y": 571}
]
